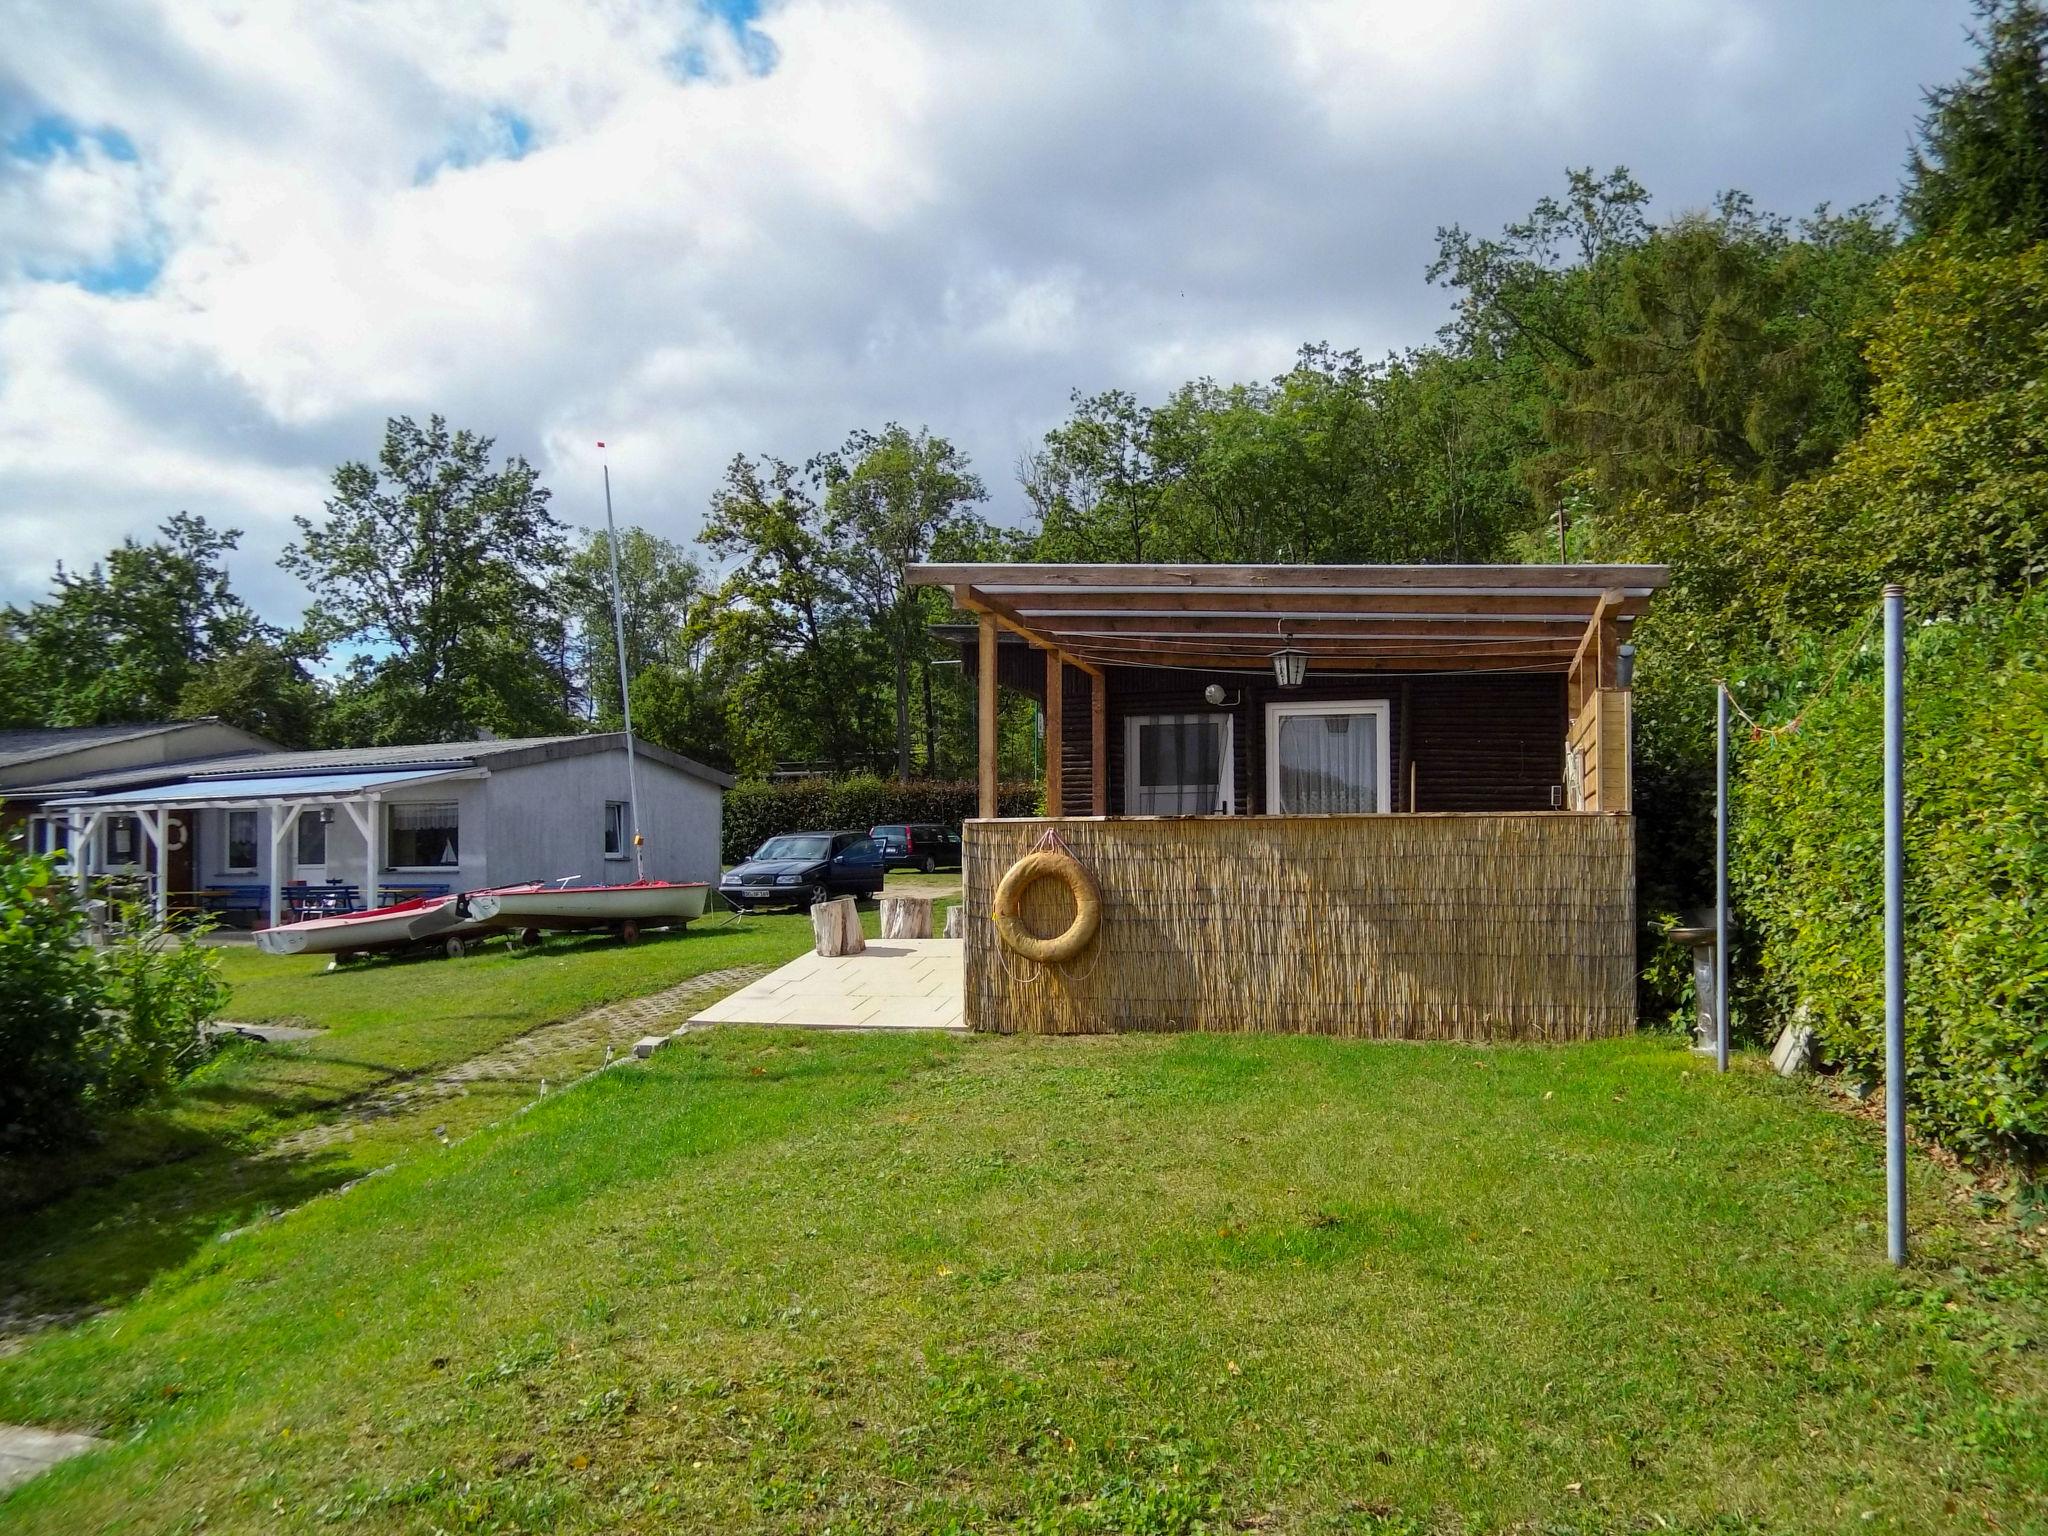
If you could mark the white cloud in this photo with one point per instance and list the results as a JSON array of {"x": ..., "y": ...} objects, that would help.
[{"x": 559, "y": 222}]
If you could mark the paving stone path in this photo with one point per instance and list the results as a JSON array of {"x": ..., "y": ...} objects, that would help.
[
  {"x": 616, "y": 1024},
  {"x": 25, "y": 1451}
]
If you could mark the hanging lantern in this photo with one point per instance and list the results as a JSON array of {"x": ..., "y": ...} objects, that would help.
[{"x": 1290, "y": 667}]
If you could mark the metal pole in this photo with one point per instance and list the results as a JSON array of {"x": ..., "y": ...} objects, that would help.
[
  {"x": 1721, "y": 877},
  {"x": 625, "y": 693},
  {"x": 1895, "y": 922}
]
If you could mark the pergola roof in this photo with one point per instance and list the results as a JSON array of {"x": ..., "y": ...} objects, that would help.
[{"x": 1467, "y": 618}]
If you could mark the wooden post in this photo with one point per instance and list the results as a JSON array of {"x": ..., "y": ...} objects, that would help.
[
  {"x": 987, "y": 715},
  {"x": 1055, "y": 735},
  {"x": 835, "y": 927},
  {"x": 1098, "y": 727},
  {"x": 906, "y": 915}
]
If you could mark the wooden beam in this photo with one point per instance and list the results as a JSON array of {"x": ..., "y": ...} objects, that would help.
[
  {"x": 1030, "y": 608},
  {"x": 1485, "y": 578},
  {"x": 1581, "y": 687},
  {"x": 985, "y": 720},
  {"x": 1504, "y": 661},
  {"x": 1071, "y": 629},
  {"x": 1055, "y": 735},
  {"x": 1111, "y": 645},
  {"x": 1098, "y": 742},
  {"x": 970, "y": 601}
]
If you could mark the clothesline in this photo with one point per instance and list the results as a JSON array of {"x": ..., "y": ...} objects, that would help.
[{"x": 1758, "y": 730}]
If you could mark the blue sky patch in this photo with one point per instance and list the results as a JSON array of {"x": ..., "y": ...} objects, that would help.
[
  {"x": 47, "y": 137},
  {"x": 504, "y": 135},
  {"x": 757, "y": 50}
]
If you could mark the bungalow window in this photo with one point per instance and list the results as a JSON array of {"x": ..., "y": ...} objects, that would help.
[
  {"x": 425, "y": 835},
  {"x": 615, "y": 829},
  {"x": 1327, "y": 759},
  {"x": 241, "y": 859},
  {"x": 124, "y": 839},
  {"x": 312, "y": 835},
  {"x": 1178, "y": 765}
]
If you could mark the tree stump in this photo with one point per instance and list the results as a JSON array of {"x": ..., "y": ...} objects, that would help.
[
  {"x": 835, "y": 927},
  {"x": 956, "y": 921},
  {"x": 906, "y": 916}
]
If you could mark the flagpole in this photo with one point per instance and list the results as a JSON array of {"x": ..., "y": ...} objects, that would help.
[{"x": 625, "y": 693}]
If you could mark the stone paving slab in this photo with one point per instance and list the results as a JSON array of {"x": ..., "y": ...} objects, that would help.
[
  {"x": 892, "y": 984},
  {"x": 25, "y": 1451},
  {"x": 275, "y": 1033}
]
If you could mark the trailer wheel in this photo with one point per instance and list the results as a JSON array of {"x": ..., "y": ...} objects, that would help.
[
  {"x": 530, "y": 937},
  {"x": 456, "y": 949},
  {"x": 629, "y": 932}
]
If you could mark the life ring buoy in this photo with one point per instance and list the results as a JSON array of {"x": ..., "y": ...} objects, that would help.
[{"x": 1047, "y": 864}]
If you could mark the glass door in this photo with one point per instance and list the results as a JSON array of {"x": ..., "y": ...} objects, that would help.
[
  {"x": 1178, "y": 765},
  {"x": 1327, "y": 758}
]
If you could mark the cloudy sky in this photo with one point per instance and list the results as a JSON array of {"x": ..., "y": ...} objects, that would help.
[{"x": 235, "y": 237}]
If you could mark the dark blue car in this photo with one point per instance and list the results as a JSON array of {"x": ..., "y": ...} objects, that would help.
[{"x": 801, "y": 869}]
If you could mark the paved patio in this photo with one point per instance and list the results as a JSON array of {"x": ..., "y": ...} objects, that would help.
[{"x": 892, "y": 984}]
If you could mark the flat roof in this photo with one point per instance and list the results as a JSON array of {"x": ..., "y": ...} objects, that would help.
[
  {"x": 234, "y": 791},
  {"x": 1468, "y": 618}
]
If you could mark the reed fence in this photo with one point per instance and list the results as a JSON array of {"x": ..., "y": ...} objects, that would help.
[{"x": 1422, "y": 927}]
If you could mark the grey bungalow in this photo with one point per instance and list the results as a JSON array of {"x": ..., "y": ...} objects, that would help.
[{"x": 278, "y": 832}]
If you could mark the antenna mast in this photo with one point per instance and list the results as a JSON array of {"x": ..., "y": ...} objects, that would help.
[{"x": 625, "y": 693}]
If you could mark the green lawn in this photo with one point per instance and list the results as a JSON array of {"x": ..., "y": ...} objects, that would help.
[
  {"x": 858, "y": 1283},
  {"x": 92, "y": 1227}
]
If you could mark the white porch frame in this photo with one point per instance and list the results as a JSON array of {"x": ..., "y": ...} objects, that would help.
[{"x": 363, "y": 807}]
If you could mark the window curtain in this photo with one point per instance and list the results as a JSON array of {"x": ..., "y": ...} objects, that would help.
[
  {"x": 424, "y": 834},
  {"x": 1329, "y": 764}
]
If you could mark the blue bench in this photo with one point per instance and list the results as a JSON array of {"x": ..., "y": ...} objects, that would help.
[{"x": 304, "y": 901}]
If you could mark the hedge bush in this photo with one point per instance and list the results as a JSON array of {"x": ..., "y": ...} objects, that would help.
[
  {"x": 1808, "y": 875},
  {"x": 757, "y": 810},
  {"x": 86, "y": 1031}
]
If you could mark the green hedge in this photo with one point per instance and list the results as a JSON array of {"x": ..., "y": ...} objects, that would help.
[
  {"x": 757, "y": 810},
  {"x": 1808, "y": 876}
]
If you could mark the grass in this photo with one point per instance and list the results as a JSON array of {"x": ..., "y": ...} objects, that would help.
[
  {"x": 91, "y": 1228},
  {"x": 1139, "y": 1284}
]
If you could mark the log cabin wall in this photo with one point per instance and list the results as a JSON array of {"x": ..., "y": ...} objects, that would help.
[{"x": 1463, "y": 741}]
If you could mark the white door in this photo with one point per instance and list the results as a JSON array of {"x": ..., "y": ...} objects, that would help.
[
  {"x": 1178, "y": 765},
  {"x": 1327, "y": 758},
  {"x": 309, "y": 846}
]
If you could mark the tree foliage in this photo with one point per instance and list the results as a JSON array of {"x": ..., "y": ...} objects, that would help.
[
  {"x": 154, "y": 632},
  {"x": 1982, "y": 162},
  {"x": 436, "y": 570}
]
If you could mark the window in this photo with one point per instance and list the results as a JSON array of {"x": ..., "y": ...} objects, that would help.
[
  {"x": 1326, "y": 759},
  {"x": 241, "y": 859},
  {"x": 312, "y": 835},
  {"x": 1178, "y": 765},
  {"x": 615, "y": 829},
  {"x": 423, "y": 835},
  {"x": 124, "y": 839}
]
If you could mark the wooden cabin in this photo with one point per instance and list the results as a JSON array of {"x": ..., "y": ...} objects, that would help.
[{"x": 1360, "y": 800}]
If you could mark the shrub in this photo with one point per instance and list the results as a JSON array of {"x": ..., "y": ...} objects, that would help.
[
  {"x": 758, "y": 810},
  {"x": 50, "y": 992},
  {"x": 1808, "y": 883},
  {"x": 85, "y": 1031}
]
